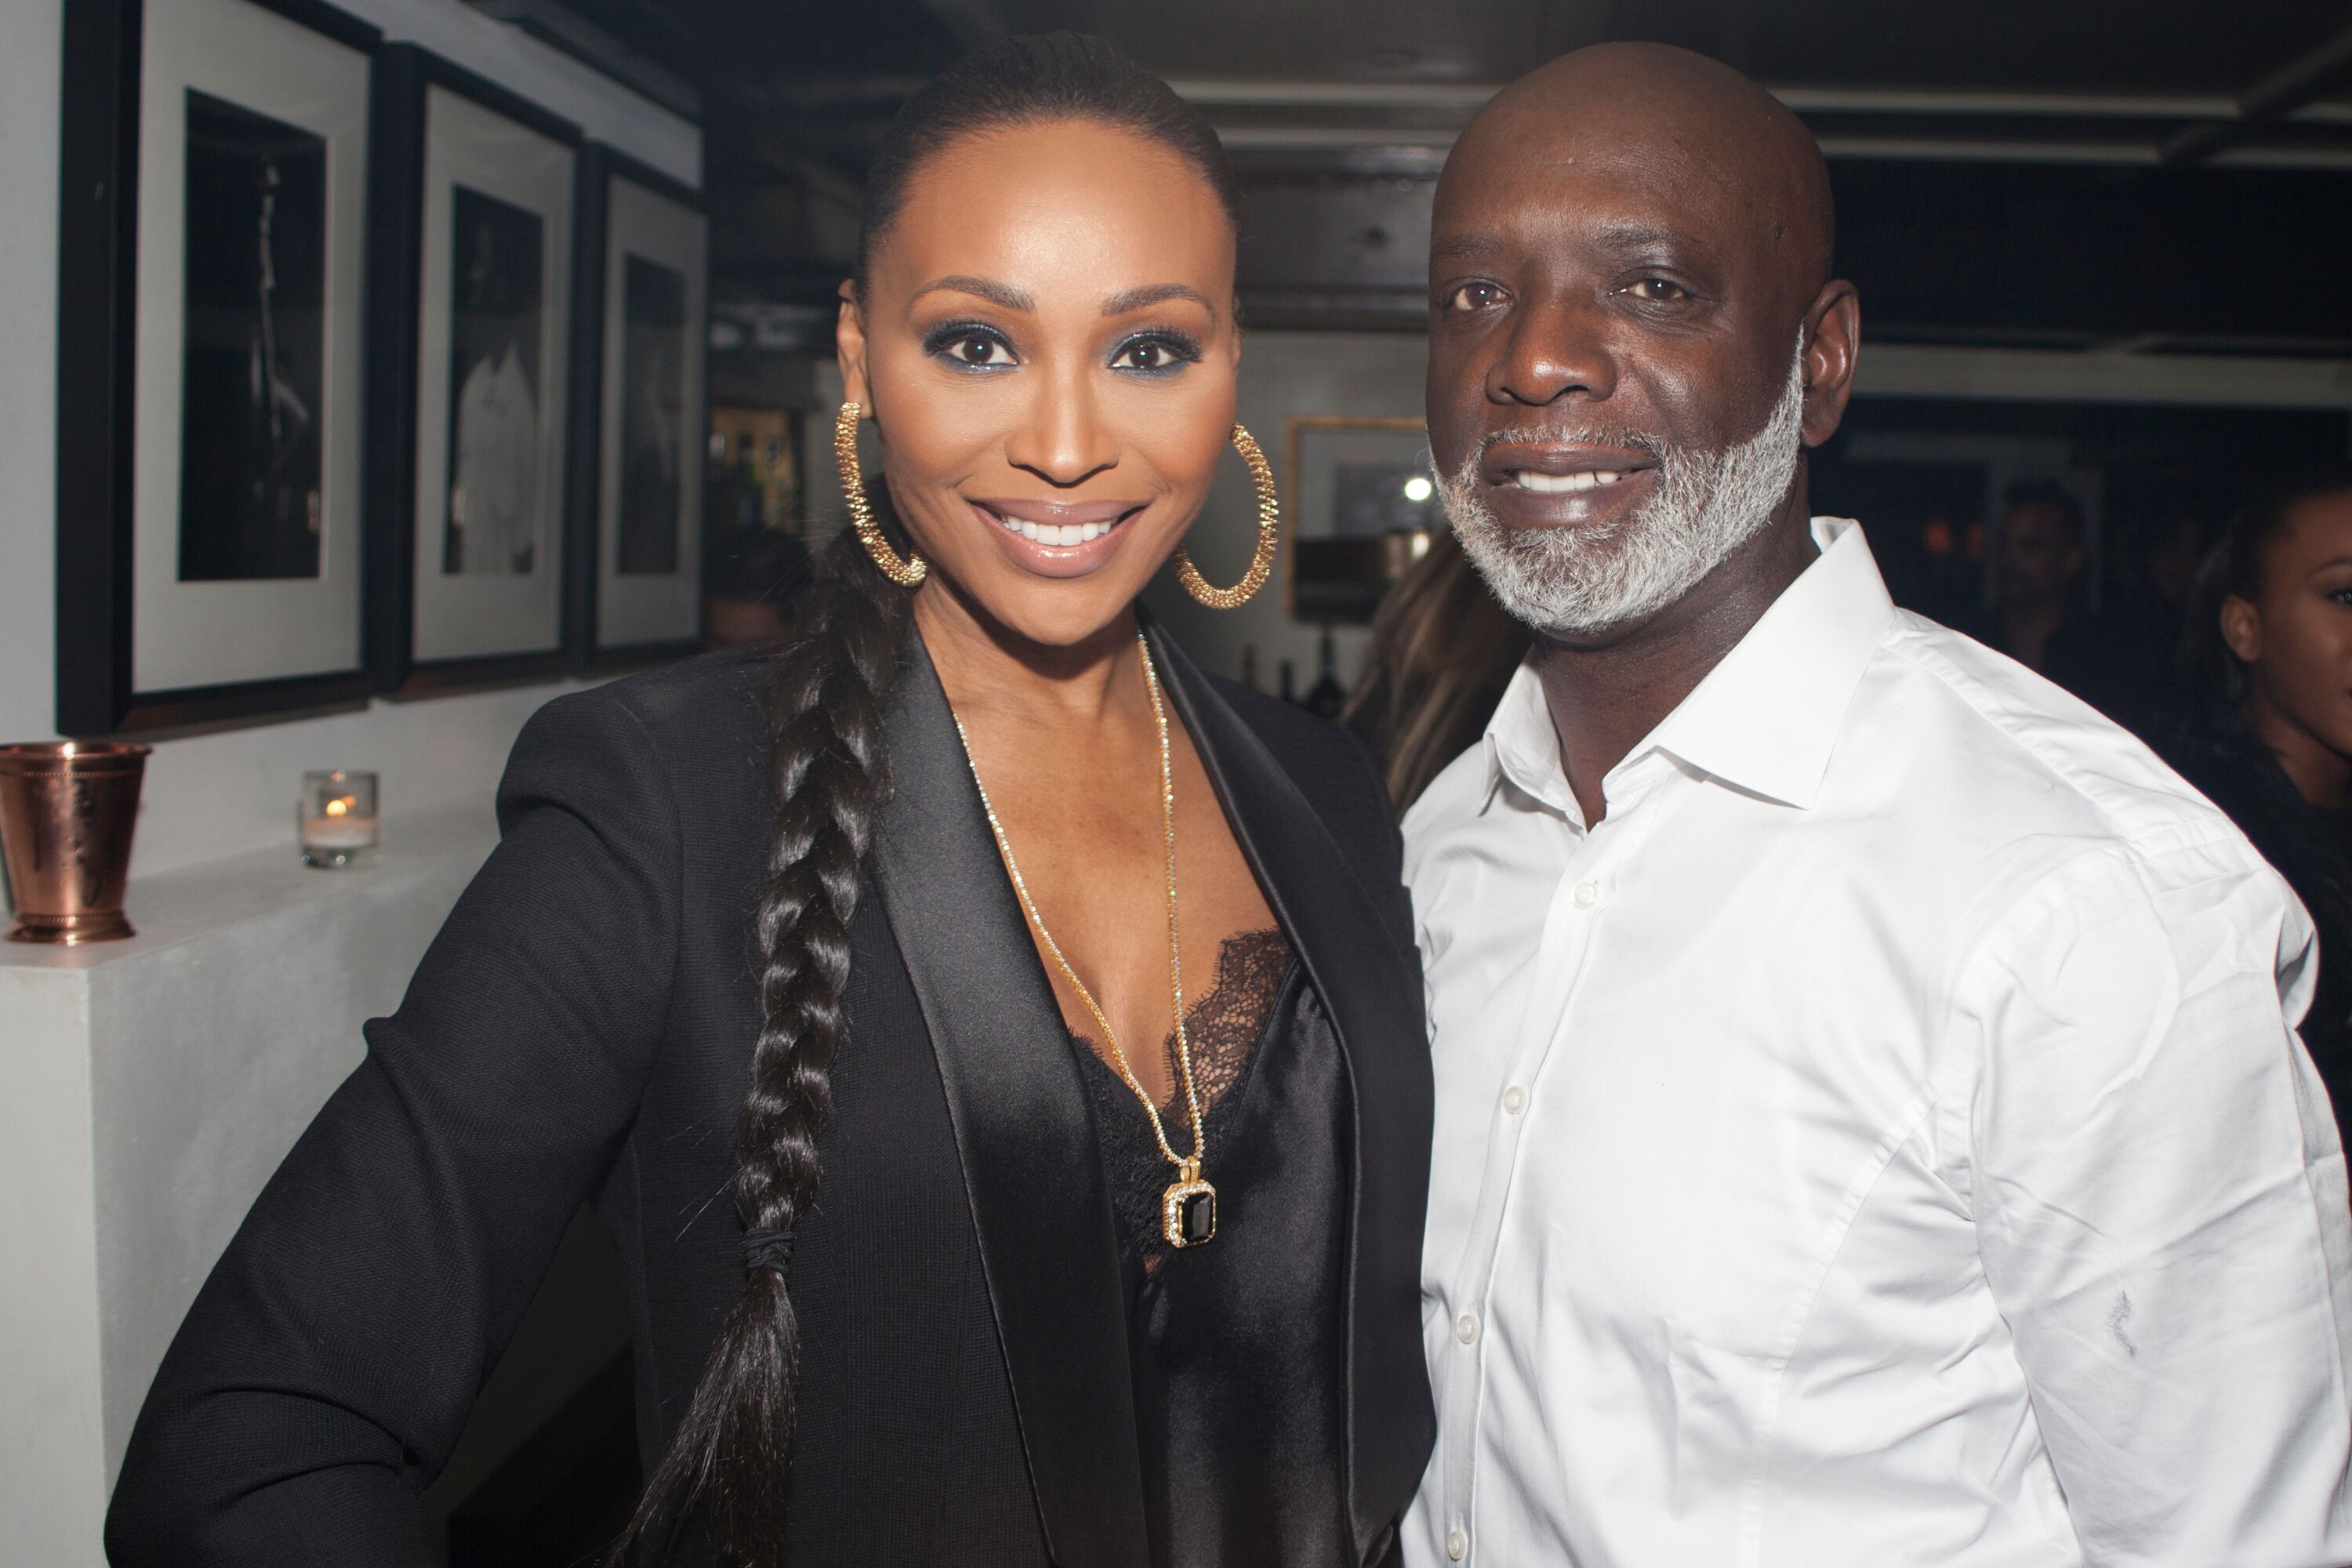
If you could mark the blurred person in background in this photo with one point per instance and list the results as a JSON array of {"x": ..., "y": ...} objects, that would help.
[
  {"x": 2265, "y": 726},
  {"x": 748, "y": 590},
  {"x": 1442, "y": 650},
  {"x": 2037, "y": 610}
]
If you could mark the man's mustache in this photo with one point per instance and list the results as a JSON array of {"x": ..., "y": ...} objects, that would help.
[{"x": 1577, "y": 435}]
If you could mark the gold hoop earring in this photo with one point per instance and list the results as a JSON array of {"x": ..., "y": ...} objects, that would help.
[
  {"x": 1269, "y": 534},
  {"x": 904, "y": 570}
]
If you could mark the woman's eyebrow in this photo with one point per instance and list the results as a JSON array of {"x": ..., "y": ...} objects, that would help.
[
  {"x": 988, "y": 288},
  {"x": 1152, "y": 294}
]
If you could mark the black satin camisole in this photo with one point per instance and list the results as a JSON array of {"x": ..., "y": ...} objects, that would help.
[{"x": 1238, "y": 1345}]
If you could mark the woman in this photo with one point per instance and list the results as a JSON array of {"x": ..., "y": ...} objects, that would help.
[
  {"x": 2266, "y": 733},
  {"x": 1443, "y": 651},
  {"x": 1002, "y": 1279}
]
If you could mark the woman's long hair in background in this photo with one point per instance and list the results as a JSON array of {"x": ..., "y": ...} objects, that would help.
[
  {"x": 1442, "y": 650},
  {"x": 723, "y": 1483}
]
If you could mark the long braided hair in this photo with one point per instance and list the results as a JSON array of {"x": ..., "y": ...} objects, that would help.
[{"x": 724, "y": 1478}]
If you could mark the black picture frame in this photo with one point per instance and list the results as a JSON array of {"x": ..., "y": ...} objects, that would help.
[
  {"x": 98, "y": 284},
  {"x": 600, "y": 166},
  {"x": 405, "y": 75}
]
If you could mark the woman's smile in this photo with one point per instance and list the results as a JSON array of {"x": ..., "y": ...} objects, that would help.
[{"x": 1057, "y": 538}]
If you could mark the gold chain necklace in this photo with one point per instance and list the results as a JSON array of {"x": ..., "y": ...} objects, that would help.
[{"x": 1188, "y": 1208}]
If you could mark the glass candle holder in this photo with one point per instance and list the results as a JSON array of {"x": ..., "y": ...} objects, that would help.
[{"x": 338, "y": 819}]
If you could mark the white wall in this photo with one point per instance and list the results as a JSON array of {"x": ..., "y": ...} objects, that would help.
[
  {"x": 150, "y": 1088},
  {"x": 224, "y": 793}
]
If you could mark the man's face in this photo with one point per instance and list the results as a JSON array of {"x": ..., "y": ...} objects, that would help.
[
  {"x": 1603, "y": 302},
  {"x": 2041, "y": 551}
]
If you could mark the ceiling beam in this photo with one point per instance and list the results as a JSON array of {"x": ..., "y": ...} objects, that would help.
[
  {"x": 2272, "y": 98},
  {"x": 565, "y": 29},
  {"x": 2041, "y": 375},
  {"x": 1469, "y": 97}
]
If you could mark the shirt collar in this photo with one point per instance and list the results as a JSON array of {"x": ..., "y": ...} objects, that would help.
[
  {"x": 1522, "y": 746},
  {"x": 1766, "y": 719}
]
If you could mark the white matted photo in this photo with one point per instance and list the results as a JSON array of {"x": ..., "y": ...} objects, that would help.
[
  {"x": 652, "y": 422},
  {"x": 240, "y": 585},
  {"x": 494, "y": 305}
]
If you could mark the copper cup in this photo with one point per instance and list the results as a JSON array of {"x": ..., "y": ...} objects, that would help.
[{"x": 66, "y": 811}]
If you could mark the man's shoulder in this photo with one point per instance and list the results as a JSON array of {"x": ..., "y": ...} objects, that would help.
[{"x": 1996, "y": 748}]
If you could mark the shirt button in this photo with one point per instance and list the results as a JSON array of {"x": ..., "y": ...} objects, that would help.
[
  {"x": 1588, "y": 894},
  {"x": 1466, "y": 1327},
  {"x": 1514, "y": 1099},
  {"x": 1457, "y": 1545}
]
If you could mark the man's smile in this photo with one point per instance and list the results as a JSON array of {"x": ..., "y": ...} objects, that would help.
[{"x": 1556, "y": 484}]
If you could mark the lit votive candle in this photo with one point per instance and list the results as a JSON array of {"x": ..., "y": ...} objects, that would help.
[{"x": 338, "y": 818}]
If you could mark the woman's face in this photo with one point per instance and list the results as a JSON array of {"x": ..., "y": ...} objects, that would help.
[
  {"x": 2295, "y": 637},
  {"x": 1046, "y": 347}
]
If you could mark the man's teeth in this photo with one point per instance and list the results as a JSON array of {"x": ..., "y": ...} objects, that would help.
[
  {"x": 1556, "y": 484},
  {"x": 1059, "y": 533}
]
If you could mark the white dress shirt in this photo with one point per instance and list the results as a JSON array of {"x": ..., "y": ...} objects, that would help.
[{"x": 1881, "y": 1141}]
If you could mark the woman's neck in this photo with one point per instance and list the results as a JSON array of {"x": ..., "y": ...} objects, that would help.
[
  {"x": 2320, "y": 773},
  {"x": 990, "y": 670}
]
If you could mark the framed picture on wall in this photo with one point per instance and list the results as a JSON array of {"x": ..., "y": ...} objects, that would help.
[
  {"x": 637, "y": 532},
  {"x": 212, "y": 240},
  {"x": 471, "y": 380},
  {"x": 1364, "y": 506}
]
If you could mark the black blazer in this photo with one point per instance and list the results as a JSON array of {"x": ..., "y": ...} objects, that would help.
[{"x": 581, "y": 1029}]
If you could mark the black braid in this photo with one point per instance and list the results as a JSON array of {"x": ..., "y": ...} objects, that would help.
[
  {"x": 724, "y": 1472},
  {"x": 723, "y": 1479}
]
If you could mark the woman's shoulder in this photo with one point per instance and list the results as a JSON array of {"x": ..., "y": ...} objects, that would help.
[
  {"x": 712, "y": 698},
  {"x": 688, "y": 737},
  {"x": 1327, "y": 764}
]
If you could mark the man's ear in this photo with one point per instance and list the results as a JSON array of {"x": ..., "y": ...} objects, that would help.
[
  {"x": 849, "y": 349},
  {"x": 1833, "y": 343},
  {"x": 2241, "y": 628}
]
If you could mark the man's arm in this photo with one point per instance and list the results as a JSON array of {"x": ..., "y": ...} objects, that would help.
[{"x": 2161, "y": 1207}]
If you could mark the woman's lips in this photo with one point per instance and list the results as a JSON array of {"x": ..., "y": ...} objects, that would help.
[{"x": 1057, "y": 539}]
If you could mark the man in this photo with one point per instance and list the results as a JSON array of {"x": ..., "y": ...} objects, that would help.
[
  {"x": 2038, "y": 563},
  {"x": 2040, "y": 615},
  {"x": 1870, "y": 1130}
]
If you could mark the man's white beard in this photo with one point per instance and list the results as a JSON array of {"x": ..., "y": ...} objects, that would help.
[{"x": 1704, "y": 506}]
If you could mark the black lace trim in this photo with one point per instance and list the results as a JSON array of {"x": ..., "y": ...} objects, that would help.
[{"x": 1224, "y": 1029}]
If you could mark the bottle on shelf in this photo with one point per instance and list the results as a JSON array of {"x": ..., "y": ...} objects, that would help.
[
  {"x": 1289, "y": 692},
  {"x": 1249, "y": 666},
  {"x": 1327, "y": 696}
]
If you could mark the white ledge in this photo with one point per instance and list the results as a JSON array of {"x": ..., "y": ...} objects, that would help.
[
  {"x": 148, "y": 1089},
  {"x": 196, "y": 901}
]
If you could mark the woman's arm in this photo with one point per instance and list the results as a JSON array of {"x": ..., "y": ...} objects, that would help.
[{"x": 329, "y": 1363}]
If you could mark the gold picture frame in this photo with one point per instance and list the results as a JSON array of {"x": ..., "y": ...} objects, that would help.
[{"x": 1297, "y": 431}]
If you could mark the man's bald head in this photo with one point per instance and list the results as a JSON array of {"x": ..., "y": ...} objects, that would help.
[
  {"x": 1632, "y": 335},
  {"x": 1676, "y": 106}
]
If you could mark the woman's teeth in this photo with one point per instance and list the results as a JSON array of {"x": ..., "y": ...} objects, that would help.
[
  {"x": 1059, "y": 533},
  {"x": 1555, "y": 484}
]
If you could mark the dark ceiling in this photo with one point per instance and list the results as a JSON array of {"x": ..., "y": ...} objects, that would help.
[{"x": 2154, "y": 172}]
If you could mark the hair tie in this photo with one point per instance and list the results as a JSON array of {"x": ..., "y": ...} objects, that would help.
[{"x": 768, "y": 1249}]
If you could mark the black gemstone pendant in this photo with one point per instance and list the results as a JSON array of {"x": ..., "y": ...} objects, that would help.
[{"x": 1188, "y": 1213}]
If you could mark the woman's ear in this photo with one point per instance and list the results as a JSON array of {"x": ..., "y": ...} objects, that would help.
[
  {"x": 2241, "y": 628},
  {"x": 849, "y": 349}
]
